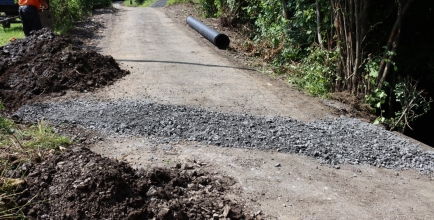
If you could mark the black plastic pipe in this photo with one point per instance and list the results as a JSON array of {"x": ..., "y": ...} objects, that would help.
[{"x": 220, "y": 40}]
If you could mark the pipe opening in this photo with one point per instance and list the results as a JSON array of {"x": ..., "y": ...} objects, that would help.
[{"x": 222, "y": 41}]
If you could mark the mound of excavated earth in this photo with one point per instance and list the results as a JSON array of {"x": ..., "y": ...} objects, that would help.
[
  {"x": 80, "y": 184},
  {"x": 46, "y": 63}
]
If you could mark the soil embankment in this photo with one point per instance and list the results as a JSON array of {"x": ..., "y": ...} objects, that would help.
[{"x": 47, "y": 63}]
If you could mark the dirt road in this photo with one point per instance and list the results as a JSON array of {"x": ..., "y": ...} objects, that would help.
[
  {"x": 171, "y": 64},
  {"x": 174, "y": 65}
]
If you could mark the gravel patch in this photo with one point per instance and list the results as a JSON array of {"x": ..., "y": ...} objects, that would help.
[
  {"x": 159, "y": 4},
  {"x": 333, "y": 141}
]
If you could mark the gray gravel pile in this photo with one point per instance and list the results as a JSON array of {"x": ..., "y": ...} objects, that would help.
[
  {"x": 335, "y": 141},
  {"x": 159, "y": 4}
]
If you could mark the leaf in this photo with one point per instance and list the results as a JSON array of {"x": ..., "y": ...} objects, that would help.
[
  {"x": 378, "y": 105},
  {"x": 373, "y": 72}
]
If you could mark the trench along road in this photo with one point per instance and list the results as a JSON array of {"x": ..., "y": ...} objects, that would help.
[{"x": 172, "y": 64}]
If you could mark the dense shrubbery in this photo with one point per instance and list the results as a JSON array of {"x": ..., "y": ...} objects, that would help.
[
  {"x": 343, "y": 46},
  {"x": 66, "y": 12}
]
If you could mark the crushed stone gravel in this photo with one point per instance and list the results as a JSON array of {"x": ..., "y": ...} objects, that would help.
[
  {"x": 332, "y": 141},
  {"x": 159, "y": 4}
]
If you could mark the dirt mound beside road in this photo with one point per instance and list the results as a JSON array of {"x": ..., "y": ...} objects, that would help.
[
  {"x": 80, "y": 184},
  {"x": 47, "y": 63}
]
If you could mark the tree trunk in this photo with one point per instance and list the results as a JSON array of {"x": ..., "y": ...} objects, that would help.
[
  {"x": 285, "y": 9},
  {"x": 392, "y": 44},
  {"x": 318, "y": 25},
  {"x": 357, "y": 51}
]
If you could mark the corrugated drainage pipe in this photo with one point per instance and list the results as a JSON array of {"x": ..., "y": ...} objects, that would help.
[{"x": 220, "y": 40}]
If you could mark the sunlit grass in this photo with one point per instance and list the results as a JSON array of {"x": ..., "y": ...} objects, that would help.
[
  {"x": 20, "y": 144},
  {"x": 15, "y": 31}
]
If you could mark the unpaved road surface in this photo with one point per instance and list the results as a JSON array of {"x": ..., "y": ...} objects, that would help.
[
  {"x": 175, "y": 66},
  {"x": 172, "y": 65}
]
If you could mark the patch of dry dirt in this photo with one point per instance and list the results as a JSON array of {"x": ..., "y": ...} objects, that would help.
[{"x": 285, "y": 186}]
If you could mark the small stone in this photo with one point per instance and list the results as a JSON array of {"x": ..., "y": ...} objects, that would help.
[
  {"x": 186, "y": 166},
  {"x": 226, "y": 211},
  {"x": 163, "y": 213},
  {"x": 277, "y": 165},
  {"x": 152, "y": 191}
]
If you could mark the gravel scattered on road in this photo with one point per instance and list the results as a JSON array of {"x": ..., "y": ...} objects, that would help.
[
  {"x": 159, "y": 4},
  {"x": 332, "y": 141}
]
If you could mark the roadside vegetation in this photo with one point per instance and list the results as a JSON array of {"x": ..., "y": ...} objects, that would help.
[
  {"x": 67, "y": 12},
  {"x": 362, "y": 50},
  {"x": 21, "y": 146},
  {"x": 15, "y": 31}
]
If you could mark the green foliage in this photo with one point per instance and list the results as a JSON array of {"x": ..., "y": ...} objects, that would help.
[
  {"x": 208, "y": 7},
  {"x": 376, "y": 99},
  {"x": 302, "y": 23},
  {"x": 66, "y": 12},
  {"x": 268, "y": 20},
  {"x": 413, "y": 104},
  {"x": 15, "y": 31},
  {"x": 27, "y": 144},
  {"x": 315, "y": 72},
  {"x": 286, "y": 42},
  {"x": 5, "y": 124},
  {"x": 41, "y": 136}
]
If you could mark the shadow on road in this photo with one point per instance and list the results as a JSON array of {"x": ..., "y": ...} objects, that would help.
[{"x": 185, "y": 63}]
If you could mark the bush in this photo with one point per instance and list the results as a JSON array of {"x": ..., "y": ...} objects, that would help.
[
  {"x": 316, "y": 72},
  {"x": 209, "y": 8},
  {"x": 66, "y": 12}
]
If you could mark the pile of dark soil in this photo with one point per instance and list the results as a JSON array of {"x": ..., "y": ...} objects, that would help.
[
  {"x": 47, "y": 63},
  {"x": 79, "y": 184}
]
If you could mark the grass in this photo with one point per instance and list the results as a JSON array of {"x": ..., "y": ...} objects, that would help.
[
  {"x": 20, "y": 144},
  {"x": 16, "y": 31}
]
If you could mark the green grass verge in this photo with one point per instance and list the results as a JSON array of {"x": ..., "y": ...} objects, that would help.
[
  {"x": 18, "y": 145},
  {"x": 16, "y": 31}
]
